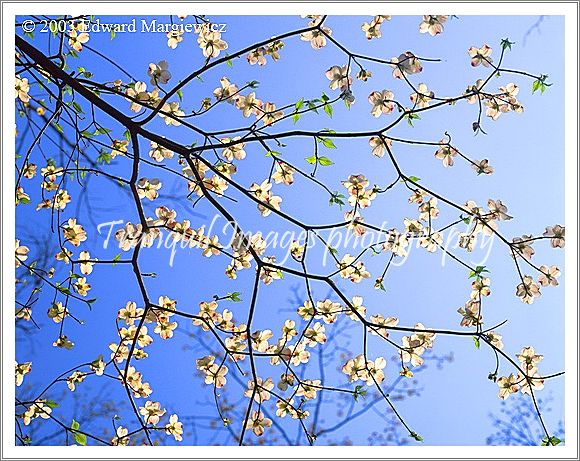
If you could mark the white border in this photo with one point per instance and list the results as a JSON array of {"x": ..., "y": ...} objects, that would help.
[{"x": 9, "y": 10}]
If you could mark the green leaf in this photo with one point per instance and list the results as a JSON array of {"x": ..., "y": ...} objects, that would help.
[
  {"x": 296, "y": 117},
  {"x": 311, "y": 159},
  {"x": 312, "y": 106},
  {"x": 273, "y": 153},
  {"x": 328, "y": 110},
  {"x": 336, "y": 198},
  {"x": 414, "y": 179},
  {"x": 325, "y": 161},
  {"x": 235, "y": 296},
  {"x": 180, "y": 94},
  {"x": 476, "y": 342},
  {"x": 51, "y": 403},
  {"x": 466, "y": 220},
  {"x": 116, "y": 258},
  {"x": 299, "y": 104},
  {"x": 506, "y": 44},
  {"x": 410, "y": 117},
  {"x": 104, "y": 157},
  {"x": 416, "y": 436},
  {"x": 77, "y": 107},
  {"x": 328, "y": 143},
  {"x": 92, "y": 300},
  {"x": 75, "y": 425},
  {"x": 127, "y": 135},
  {"x": 540, "y": 84},
  {"x": 551, "y": 441},
  {"x": 81, "y": 439},
  {"x": 359, "y": 391}
]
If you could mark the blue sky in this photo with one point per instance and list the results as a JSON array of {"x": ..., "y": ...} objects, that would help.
[{"x": 526, "y": 151}]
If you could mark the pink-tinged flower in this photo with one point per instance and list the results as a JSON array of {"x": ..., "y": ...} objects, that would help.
[
  {"x": 57, "y": 312},
  {"x": 262, "y": 389},
  {"x": 495, "y": 339},
  {"x": 432, "y": 24},
  {"x": 264, "y": 195},
  {"x": 76, "y": 378},
  {"x": 22, "y": 88},
  {"x": 257, "y": 56},
  {"x": 160, "y": 153},
  {"x": 557, "y": 235},
  {"x": 480, "y": 56},
  {"x": 78, "y": 36},
  {"x": 235, "y": 151},
  {"x": 308, "y": 388},
  {"x": 226, "y": 92},
  {"x": 383, "y": 102},
  {"x": 446, "y": 153},
  {"x": 508, "y": 385},
  {"x": 532, "y": 383},
  {"x": 498, "y": 210},
  {"x": 549, "y": 276},
  {"x": 258, "y": 422},
  {"x": 22, "y": 369},
  {"x": 482, "y": 167},
  {"x": 379, "y": 146},
  {"x": 174, "y": 37},
  {"x": 249, "y": 104},
  {"x": 471, "y": 314},
  {"x": 528, "y": 290},
  {"x": 522, "y": 246},
  {"x": 151, "y": 412},
  {"x": 328, "y": 311},
  {"x": 148, "y": 188},
  {"x": 373, "y": 29},
  {"x": 474, "y": 92},
  {"x": 316, "y": 38},
  {"x": 174, "y": 428},
  {"x": 21, "y": 253},
  {"x": 284, "y": 174},
  {"x": 36, "y": 410},
  {"x": 339, "y": 77},
  {"x": 270, "y": 114},
  {"x": 170, "y": 113},
  {"x": 422, "y": 97},
  {"x": 407, "y": 63},
  {"x": 122, "y": 438},
  {"x": 529, "y": 359},
  {"x": 73, "y": 232},
  {"x": 211, "y": 43},
  {"x": 159, "y": 73}
]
